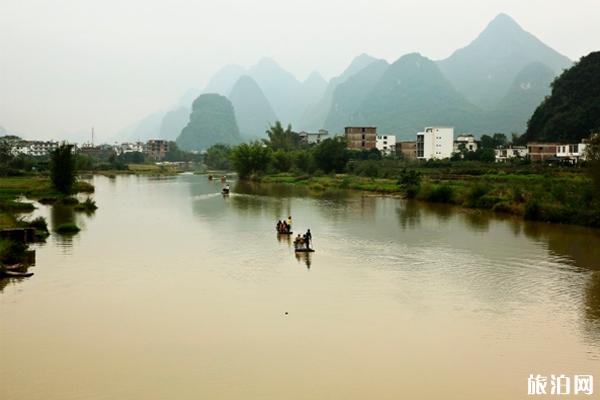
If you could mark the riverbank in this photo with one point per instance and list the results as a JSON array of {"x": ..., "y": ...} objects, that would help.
[
  {"x": 549, "y": 196},
  {"x": 13, "y": 211}
]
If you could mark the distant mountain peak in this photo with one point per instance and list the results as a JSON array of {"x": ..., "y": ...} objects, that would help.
[{"x": 315, "y": 76}]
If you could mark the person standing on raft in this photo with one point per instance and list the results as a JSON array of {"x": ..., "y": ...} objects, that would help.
[
  {"x": 308, "y": 238},
  {"x": 289, "y": 223}
]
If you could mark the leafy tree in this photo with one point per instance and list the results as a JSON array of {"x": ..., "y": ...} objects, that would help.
[
  {"x": 491, "y": 142},
  {"x": 63, "y": 168},
  {"x": 282, "y": 139},
  {"x": 250, "y": 159},
  {"x": 131, "y": 157},
  {"x": 282, "y": 160},
  {"x": 331, "y": 155},
  {"x": 593, "y": 157},
  {"x": 217, "y": 157},
  {"x": 303, "y": 160}
]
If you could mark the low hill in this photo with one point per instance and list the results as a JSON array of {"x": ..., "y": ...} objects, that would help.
[
  {"x": 212, "y": 121},
  {"x": 572, "y": 111}
]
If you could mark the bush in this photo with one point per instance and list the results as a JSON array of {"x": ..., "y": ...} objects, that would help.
[
  {"x": 39, "y": 224},
  {"x": 532, "y": 210},
  {"x": 282, "y": 161},
  {"x": 440, "y": 194},
  {"x": 88, "y": 205},
  {"x": 67, "y": 228}
]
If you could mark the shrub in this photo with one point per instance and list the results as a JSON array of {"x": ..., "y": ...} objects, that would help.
[
  {"x": 532, "y": 210},
  {"x": 39, "y": 224},
  {"x": 67, "y": 228},
  {"x": 440, "y": 194},
  {"x": 88, "y": 205}
]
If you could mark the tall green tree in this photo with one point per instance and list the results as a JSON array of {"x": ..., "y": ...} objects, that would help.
[
  {"x": 331, "y": 155},
  {"x": 63, "y": 168},
  {"x": 217, "y": 157},
  {"x": 282, "y": 139},
  {"x": 250, "y": 159}
]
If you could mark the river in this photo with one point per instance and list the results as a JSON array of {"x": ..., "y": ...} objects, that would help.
[{"x": 171, "y": 291}]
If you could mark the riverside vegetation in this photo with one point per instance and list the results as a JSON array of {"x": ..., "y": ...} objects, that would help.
[
  {"x": 53, "y": 182},
  {"x": 560, "y": 194}
]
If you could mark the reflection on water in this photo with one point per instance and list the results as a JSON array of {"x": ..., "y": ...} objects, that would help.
[{"x": 174, "y": 291}]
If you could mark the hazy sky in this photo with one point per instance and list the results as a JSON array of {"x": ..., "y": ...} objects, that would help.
[{"x": 68, "y": 65}]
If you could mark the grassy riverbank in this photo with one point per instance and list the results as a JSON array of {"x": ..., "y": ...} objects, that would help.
[
  {"x": 13, "y": 211},
  {"x": 559, "y": 196}
]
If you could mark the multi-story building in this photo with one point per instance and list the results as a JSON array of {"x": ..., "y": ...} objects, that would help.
[
  {"x": 36, "y": 148},
  {"x": 156, "y": 149},
  {"x": 132, "y": 147},
  {"x": 408, "y": 149},
  {"x": 313, "y": 138},
  {"x": 436, "y": 142},
  {"x": 386, "y": 144},
  {"x": 572, "y": 153},
  {"x": 541, "y": 151},
  {"x": 361, "y": 137},
  {"x": 466, "y": 142},
  {"x": 503, "y": 154}
]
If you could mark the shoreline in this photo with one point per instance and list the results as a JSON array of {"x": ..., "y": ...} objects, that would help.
[{"x": 528, "y": 197}]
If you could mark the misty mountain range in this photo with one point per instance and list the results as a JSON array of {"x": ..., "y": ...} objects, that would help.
[{"x": 492, "y": 85}]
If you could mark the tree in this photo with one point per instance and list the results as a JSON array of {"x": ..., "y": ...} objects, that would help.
[
  {"x": 593, "y": 158},
  {"x": 331, "y": 155},
  {"x": 282, "y": 139},
  {"x": 63, "y": 168},
  {"x": 250, "y": 159},
  {"x": 217, "y": 157},
  {"x": 282, "y": 160}
]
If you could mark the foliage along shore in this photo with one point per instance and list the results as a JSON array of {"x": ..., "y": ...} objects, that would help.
[
  {"x": 548, "y": 197},
  {"x": 534, "y": 191},
  {"x": 58, "y": 186}
]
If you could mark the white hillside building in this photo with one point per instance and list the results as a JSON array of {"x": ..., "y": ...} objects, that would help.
[
  {"x": 436, "y": 142},
  {"x": 386, "y": 144}
]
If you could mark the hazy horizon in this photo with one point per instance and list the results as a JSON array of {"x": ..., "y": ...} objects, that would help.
[{"x": 71, "y": 65}]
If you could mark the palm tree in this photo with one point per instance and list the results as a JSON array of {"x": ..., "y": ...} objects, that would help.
[{"x": 282, "y": 139}]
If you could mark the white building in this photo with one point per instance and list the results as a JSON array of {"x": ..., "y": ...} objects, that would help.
[
  {"x": 571, "y": 152},
  {"x": 36, "y": 148},
  {"x": 386, "y": 144},
  {"x": 436, "y": 142},
  {"x": 313, "y": 138},
  {"x": 503, "y": 154},
  {"x": 123, "y": 148},
  {"x": 466, "y": 141}
]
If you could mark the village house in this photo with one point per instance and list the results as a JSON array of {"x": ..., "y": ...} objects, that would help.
[
  {"x": 312, "y": 137},
  {"x": 156, "y": 149},
  {"x": 386, "y": 144},
  {"x": 571, "y": 153},
  {"x": 505, "y": 153},
  {"x": 435, "y": 142},
  {"x": 466, "y": 142},
  {"x": 541, "y": 151},
  {"x": 36, "y": 148},
  {"x": 361, "y": 137},
  {"x": 407, "y": 148},
  {"x": 131, "y": 147}
]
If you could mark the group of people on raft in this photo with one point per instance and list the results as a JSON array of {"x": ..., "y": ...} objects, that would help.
[
  {"x": 284, "y": 227},
  {"x": 301, "y": 242}
]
